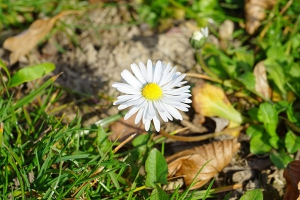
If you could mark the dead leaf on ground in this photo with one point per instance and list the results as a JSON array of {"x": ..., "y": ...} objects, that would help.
[
  {"x": 292, "y": 176},
  {"x": 215, "y": 156},
  {"x": 23, "y": 43},
  {"x": 255, "y": 11},
  {"x": 261, "y": 81},
  {"x": 125, "y": 128},
  {"x": 210, "y": 101}
]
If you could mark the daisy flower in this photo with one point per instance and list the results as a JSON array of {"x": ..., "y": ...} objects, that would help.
[
  {"x": 153, "y": 92},
  {"x": 199, "y": 38}
]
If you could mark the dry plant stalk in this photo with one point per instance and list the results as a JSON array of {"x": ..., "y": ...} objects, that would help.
[{"x": 212, "y": 157}]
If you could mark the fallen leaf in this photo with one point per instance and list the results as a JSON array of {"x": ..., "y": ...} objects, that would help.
[
  {"x": 212, "y": 157},
  {"x": 226, "y": 33},
  {"x": 292, "y": 176},
  {"x": 125, "y": 128},
  {"x": 255, "y": 11},
  {"x": 221, "y": 123},
  {"x": 23, "y": 43},
  {"x": 210, "y": 100},
  {"x": 261, "y": 82}
]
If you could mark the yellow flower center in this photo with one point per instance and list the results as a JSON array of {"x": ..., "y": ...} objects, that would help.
[{"x": 152, "y": 91}]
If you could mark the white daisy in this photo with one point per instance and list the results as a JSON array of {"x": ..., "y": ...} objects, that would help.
[
  {"x": 153, "y": 92},
  {"x": 198, "y": 35}
]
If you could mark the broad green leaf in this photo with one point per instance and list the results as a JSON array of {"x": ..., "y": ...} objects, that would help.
[
  {"x": 158, "y": 194},
  {"x": 295, "y": 70},
  {"x": 280, "y": 160},
  {"x": 253, "y": 113},
  {"x": 255, "y": 194},
  {"x": 140, "y": 140},
  {"x": 156, "y": 168},
  {"x": 254, "y": 130},
  {"x": 259, "y": 143},
  {"x": 248, "y": 80},
  {"x": 276, "y": 51},
  {"x": 292, "y": 142},
  {"x": 276, "y": 72},
  {"x": 269, "y": 116},
  {"x": 31, "y": 73},
  {"x": 244, "y": 60},
  {"x": 267, "y": 113}
]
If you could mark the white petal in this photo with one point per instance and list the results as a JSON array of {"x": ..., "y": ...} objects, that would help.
[
  {"x": 143, "y": 70},
  {"x": 166, "y": 113},
  {"x": 131, "y": 103},
  {"x": 139, "y": 116},
  {"x": 168, "y": 78},
  {"x": 131, "y": 112},
  {"x": 156, "y": 124},
  {"x": 165, "y": 74},
  {"x": 125, "y": 88},
  {"x": 157, "y": 72},
  {"x": 180, "y": 90},
  {"x": 138, "y": 73},
  {"x": 149, "y": 71},
  {"x": 174, "y": 82},
  {"x": 147, "y": 125},
  {"x": 173, "y": 111},
  {"x": 130, "y": 79}
]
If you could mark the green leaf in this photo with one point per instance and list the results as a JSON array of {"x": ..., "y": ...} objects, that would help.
[
  {"x": 280, "y": 160},
  {"x": 141, "y": 140},
  {"x": 267, "y": 113},
  {"x": 156, "y": 168},
  {"x": 277, "y": 74},
  {"x": 158, "y": 194},
  {"x": 259, "y": 144},
  {"x": 292, "y": 142},
  {"x": 31, "y": 73},
  {"x": 248, "y": 80},
  {"x": 2, "y": 65},
  {"x": 269, "y": 116},
  {"x": 253, "y": 194},
  {"x": 245, "y": 60},
  {"x": 254, "y": 130},
  {"x": 253, "y": 113}
]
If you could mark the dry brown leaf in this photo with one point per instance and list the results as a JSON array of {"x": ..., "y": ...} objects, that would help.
[
  {"x": 23, "y": 43},
  {"x": 215, "y": 156},
  {"x": 255, "y": 11},
  {"x": 292, "y": 176},
  {"x": 262, "y": 84},
  {"x": 125, "y": 128}
]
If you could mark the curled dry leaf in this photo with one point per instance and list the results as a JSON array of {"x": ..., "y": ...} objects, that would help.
[
  {"x": 261, "y": 82},
  {"x": 255, "y": 11},
  {"x": 212, "y": 157},
  {"x": 292, "y": 176},
  {"x": 21, "y": 44}
]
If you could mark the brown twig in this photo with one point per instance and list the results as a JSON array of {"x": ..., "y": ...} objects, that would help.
[{"x": 202, "y": 137}]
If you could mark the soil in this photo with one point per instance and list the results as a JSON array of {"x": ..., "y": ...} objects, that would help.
[{"x": 106, "y": 45}]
